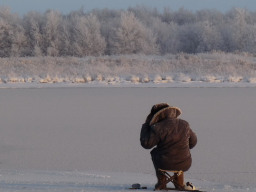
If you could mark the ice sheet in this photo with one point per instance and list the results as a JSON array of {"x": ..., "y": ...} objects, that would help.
[{"x": 97, "y": 129}]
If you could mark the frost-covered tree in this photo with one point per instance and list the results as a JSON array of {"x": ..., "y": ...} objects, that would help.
[
  {"x": 167, "y": 36},
  {"x": 6, "y": 32},
  {"x": 251, "y": 39},
  {"x": 167, "y": 16},
  {"x": 212, "y": 16},
  {"x": 65, "y": 37},
  {"x": 12, "y": 38},
  {"x": 184, "y": 16},
  {"x": 109, "y": 22},
  {"x": 189, "y": 37},
  {"x": 51, "y": 33},
  {"x": 209, "y": 38},
  {"x": 239, "y": 29},
  {"x": 139, "y": 30},
  {"x": 19, "y": 41},
  {"x": 145, "y": 14},
  {"x": 132, "y": 37},
  {"x": 32, "y": 23},
  {"x": 86, "y": 36}
]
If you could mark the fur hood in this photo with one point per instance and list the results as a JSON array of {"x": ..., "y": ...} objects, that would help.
[{"x": 168, "y": 112}]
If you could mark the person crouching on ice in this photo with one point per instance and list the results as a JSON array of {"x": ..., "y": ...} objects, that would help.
[{"x": 173, "y": 139}]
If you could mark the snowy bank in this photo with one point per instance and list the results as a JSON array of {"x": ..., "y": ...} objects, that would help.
[{"x": 129, "y": 70}]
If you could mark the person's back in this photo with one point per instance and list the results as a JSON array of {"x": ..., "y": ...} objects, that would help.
[{"x": 172, "y": 137}]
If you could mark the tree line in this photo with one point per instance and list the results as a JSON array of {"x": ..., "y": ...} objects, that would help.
[{"x": 137, "y": 30}]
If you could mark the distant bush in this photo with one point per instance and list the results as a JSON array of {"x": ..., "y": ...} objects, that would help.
[{"x": 138, "y": 30}]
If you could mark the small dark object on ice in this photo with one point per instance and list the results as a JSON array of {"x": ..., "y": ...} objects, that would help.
[{"x": 137, "y": 186}]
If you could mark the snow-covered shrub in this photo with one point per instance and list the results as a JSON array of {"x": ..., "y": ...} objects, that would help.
[
  {"x": 168, "y": 78},
  {"x": 16, "y": 80},
  {"x": 252, "y": 80},
  {"x": 234, "y": 79},
  {"x": 134, "y": 79},
  {"x": 145, "y": 79},
  {"x": 183, "y": 78},
  {"x": 46, "y": 79},
  {"x": 29, "y": 79},
  {"x": 214, "y": 67},
  {"x": 87, "y": 78},
  {"x": 79, "y": 80},
  {"x": 109, "y": 79},
  {"x": 157, "y": 78},
  {"x": 98, "y": 77}
]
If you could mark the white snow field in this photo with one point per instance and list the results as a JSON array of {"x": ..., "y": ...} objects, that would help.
[{"x": 87, "y": 139}]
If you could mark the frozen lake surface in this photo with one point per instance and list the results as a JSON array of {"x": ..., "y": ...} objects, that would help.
[{"x": 87, "y": 139}]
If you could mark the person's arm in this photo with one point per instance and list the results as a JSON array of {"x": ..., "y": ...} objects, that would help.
[
  {"x": 148, "y": 137},
  {"x": 192, "y": 139}
]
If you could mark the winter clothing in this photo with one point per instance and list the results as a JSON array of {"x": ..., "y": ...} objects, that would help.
[
  {"x": 172, "y": 137},
  {"x": 161, "y": 181},
  {"x": 179, "y": 180},
  {"x": 155, "y": 109}
]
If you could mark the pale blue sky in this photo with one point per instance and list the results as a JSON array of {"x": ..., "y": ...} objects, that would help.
[{"x": 65, "y": 6}]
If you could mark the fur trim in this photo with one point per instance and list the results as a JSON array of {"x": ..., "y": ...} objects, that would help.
[
  {"x": 158, "y": 107},
  {"x": 172, "y": 112}
]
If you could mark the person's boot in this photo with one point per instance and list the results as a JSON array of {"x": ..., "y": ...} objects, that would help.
[
  {"x": 189, "y": 186},
  {"x": 179, "y": 180},
  {"x": 161, "y": 181}
]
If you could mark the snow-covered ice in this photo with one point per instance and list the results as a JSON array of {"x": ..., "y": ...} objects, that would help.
[
  {"x": 87, "y": 138},
  {"x": 43, "y": 181}
]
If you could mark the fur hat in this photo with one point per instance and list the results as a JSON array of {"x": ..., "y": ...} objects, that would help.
[{"x": 172, "y": 112}]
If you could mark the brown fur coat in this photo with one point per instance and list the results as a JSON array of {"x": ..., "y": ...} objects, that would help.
[{"x": 172, "y": 137}]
